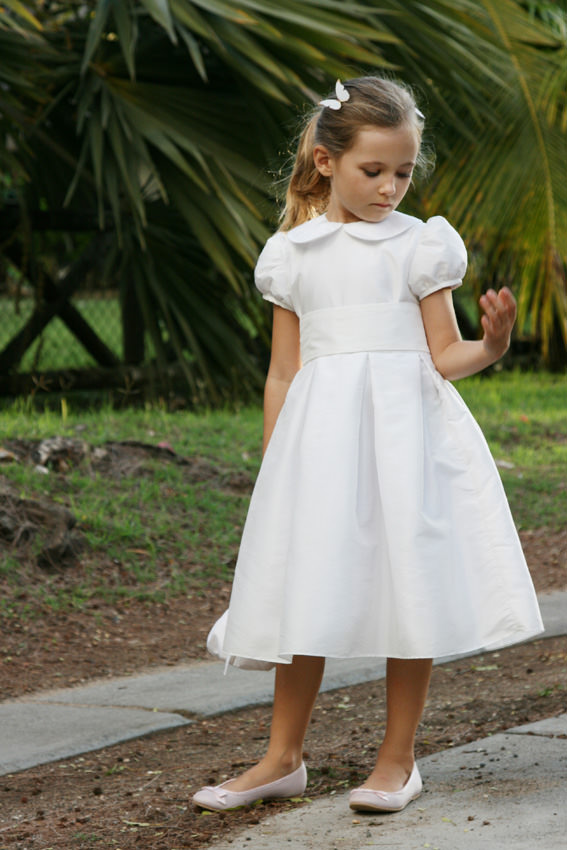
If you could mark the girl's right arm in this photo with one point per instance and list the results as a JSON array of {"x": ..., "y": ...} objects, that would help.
[{"x": 285, "y": 362}]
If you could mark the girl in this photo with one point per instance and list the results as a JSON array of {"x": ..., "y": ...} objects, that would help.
[{"x": 378, "y": 525}]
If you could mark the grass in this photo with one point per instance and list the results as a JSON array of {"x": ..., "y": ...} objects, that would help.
[
  {"x": 524, "y": 418},
  {"x": 223, "y": 436},
  {"x": 157, "y": 531},
  {"x": 151, "y": 534}
]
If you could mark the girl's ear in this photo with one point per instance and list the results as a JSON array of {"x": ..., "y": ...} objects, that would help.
[{"x": 323, "y": 160}]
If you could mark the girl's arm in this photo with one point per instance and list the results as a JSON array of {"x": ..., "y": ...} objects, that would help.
[
  {"x": 456, "y": 358},
  {"x": 284, "y": 363}
]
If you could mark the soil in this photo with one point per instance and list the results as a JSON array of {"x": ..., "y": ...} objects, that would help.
[{"x": 136, "y": 795}]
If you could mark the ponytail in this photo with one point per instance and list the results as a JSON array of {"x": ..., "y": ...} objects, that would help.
[{"x": 308, "y": 191}]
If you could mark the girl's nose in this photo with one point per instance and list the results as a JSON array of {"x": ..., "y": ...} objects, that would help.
[{"x": 388, "y": 187}]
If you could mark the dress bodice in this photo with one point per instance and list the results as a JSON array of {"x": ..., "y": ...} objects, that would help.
[{"x": 356, "y": 286}]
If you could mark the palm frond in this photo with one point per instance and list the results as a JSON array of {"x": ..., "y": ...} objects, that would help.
[{"x": 504, "y": 189}]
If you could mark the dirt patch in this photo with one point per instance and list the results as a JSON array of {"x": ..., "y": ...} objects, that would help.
[
  {"x": 40, "y": 530},
  {"x": 58, "y": 649},
  {"x": 116, "y": 460},
  {"x": 546, "y": 554},
  {"x": 136, "y": 795}
]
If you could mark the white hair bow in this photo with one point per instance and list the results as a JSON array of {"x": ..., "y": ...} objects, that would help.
[{"x": 342, "y": 96}]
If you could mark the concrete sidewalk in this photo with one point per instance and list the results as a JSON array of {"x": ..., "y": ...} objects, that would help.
[
  {"x": 506, "y": 792},
  {"x": 49, "y": 726}
]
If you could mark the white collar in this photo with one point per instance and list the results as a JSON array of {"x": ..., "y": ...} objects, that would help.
[{"x": 317, "y": 228}]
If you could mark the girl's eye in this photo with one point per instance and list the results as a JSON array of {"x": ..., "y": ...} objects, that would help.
[{"x": 403, "y": 175}]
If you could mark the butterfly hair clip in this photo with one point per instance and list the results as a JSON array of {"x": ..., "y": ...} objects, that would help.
[{"x": 342, "y": 97}]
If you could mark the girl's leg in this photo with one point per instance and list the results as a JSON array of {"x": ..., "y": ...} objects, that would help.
[
  {"x": 407, "y": 682},
  {"x": 297, "y": 686}
]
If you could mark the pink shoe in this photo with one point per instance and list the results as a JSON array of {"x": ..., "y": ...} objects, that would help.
[
  {"x": 222, "y": 799},
  {"x": 367, "y": 800}
]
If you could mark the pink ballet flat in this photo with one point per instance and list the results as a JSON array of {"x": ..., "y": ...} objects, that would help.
[
  {"x": 368, "y": 800},
  {"x": 222, "y": 799}
]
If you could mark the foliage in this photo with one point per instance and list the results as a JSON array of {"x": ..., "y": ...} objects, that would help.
[
  {"x": 505, "y": 191},
  {"x": 147, "y": 129}
]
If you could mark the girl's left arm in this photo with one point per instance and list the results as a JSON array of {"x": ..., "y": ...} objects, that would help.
[{"x": 457, "y": 358}]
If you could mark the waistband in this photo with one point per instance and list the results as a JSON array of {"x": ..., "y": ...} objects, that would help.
[{"x": 362, "y": 327}]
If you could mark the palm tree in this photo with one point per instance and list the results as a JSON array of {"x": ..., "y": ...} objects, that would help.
[{"x": 148, "y": 133}]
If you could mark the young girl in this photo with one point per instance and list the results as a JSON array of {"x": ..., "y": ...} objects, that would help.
[{"x": 378, "y": 525}]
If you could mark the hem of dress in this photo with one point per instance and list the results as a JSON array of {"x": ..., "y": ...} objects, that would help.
[{"x": 500, "y": 642}]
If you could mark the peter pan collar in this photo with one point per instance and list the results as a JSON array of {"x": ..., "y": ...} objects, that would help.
[{"x": 318, "y": 228}]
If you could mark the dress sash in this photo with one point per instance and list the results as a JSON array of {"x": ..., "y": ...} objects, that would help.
[{"x": 362, "y": 327}]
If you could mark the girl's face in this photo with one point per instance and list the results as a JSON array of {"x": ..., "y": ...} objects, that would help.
[{"x": 370, "y": 179}]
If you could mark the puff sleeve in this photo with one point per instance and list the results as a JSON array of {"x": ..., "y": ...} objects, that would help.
[
  {"x": 272, "y": 275},
  {"x": 440, "y": 258}
]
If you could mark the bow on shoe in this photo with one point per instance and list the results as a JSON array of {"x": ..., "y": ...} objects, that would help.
[
  {"x": 218, "y": 791},
  {"x": 384, "y": 795}
]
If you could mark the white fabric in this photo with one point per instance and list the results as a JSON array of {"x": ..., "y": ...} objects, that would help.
[
  {"x": 378, "y": 525},
  {"x": 399, "y": 259},
  {"x": 366, "y": 327}
]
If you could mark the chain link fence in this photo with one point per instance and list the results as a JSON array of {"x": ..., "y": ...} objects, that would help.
[
  {"x": 57, "y": 347},
  {"x": 81, "y": 341}
]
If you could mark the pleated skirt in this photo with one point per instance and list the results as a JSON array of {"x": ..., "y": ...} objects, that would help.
[{"x": 378, "y": 526}]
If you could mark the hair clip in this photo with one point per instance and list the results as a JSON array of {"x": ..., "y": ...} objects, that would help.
[
  {"x": 419, "y": 114},
  {"x": 342, "y": 96}
]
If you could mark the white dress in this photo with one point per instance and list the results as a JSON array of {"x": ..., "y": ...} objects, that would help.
[{"x": 378, "y": 525}]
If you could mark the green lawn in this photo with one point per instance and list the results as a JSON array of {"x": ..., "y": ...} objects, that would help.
[
  {"x": 524, "y": 418},
  {"x": 159, "y": 531}
]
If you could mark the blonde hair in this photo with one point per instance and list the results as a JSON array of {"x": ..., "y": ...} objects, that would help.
[{"x": 373, "y": 101}]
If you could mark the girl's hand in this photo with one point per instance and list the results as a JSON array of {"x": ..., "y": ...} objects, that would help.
[{"x": 498, "y": 320}]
